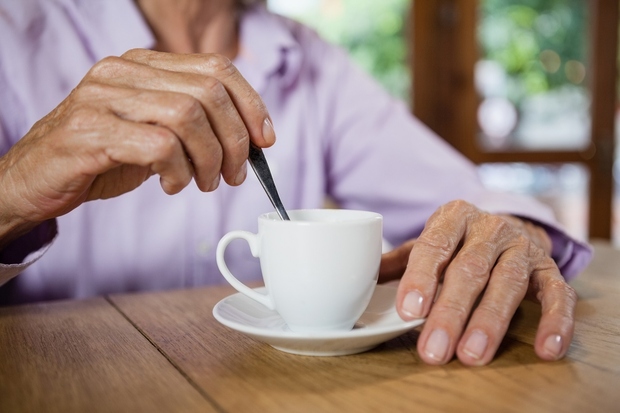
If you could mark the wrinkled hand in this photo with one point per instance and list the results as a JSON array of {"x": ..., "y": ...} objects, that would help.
[
  {"x": 489, "y": 264},
  {"x": 144, "y": 113}
]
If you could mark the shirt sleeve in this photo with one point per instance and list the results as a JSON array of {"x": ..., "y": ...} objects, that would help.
[
  {"x": 24, "y": 251},
  {"x": 381, "y": 158}
]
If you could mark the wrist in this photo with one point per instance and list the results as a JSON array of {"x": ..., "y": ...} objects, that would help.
[
  {"x": 12, "y": 229},
  {"x": 12, "y": 225}
]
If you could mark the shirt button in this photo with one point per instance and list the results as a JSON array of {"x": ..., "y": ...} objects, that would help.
[{"x": 203, "y": 248}]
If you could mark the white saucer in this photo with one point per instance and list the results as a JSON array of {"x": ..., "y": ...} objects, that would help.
[{"x": 379, "y": 323}]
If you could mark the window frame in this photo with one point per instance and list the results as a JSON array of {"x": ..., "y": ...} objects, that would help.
[{"x": 443, "y": 56}]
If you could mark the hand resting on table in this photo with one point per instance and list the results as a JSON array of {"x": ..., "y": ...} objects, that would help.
[{"x": 488, "y": 264}]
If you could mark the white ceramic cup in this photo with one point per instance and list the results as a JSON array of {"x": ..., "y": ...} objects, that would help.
[{"x": 320, "y": 268}]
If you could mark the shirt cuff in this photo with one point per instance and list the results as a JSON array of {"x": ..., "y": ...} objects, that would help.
[
  {"x": 570, "y": 255},
  {"x": 25, "y": 250}
]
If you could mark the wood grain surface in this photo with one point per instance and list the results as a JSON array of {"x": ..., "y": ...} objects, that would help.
[
  {"x": 84, "y": 356},
  {"x": 240, "y": 374},
  {"x": 165, "y": 352}
]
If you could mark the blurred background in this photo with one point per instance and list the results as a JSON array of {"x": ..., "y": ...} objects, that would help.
[{"x": 526, "y": 89}]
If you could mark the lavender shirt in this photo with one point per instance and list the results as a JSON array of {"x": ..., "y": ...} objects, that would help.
[{"x": 339, "y": 134}]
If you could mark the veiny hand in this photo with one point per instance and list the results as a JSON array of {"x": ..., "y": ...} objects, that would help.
[
  {"x": 489, "y": 260},
  {"x": 144, "y": 113}
]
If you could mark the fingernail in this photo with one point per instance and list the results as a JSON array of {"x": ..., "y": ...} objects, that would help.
[
  {"x": 413, "y": 304},
  {"x": 553, "y": 345},
  {"x": 476, "y": 345},
  {"x": 437, "y": 345},
  {"x": 269, "y": 134},
  {"x": 241, "y": 175},
  {"x": 215, "y": 184}
]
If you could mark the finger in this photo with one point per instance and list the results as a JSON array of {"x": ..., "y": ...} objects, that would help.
[
  {"x": 117, "y": 181},
  {"x": 465, "y": 279},
  {"x": 247, "y": 101},
  {"x": 157, "y": 147},
  {"x": 393, "y": 263},
  {"x": 558, "y": 301},
  {"x": 489, "y": 322},
  {"x": 217, "y": 104},
  {"x": 180, "y": 113},
  {"x": 231, "y": 133},
  {"x": 429, "y": 257},
  {"x": 154, "y": 147}
]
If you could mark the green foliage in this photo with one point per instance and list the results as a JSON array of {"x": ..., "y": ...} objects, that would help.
[
  {"x": 533, "y": 40},
  {"x": 373, "y": 32}
]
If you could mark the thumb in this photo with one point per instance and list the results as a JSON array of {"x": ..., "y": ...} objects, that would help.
[{"x": 394, "y": 263}]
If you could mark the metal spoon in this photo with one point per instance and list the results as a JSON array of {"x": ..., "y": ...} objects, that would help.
[{"x": 261, "y": 169}]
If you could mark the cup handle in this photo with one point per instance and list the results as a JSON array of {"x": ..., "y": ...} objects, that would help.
[{"x": 252, "y": 240}]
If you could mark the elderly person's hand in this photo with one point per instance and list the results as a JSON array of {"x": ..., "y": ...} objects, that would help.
[
  {"x": 144, "y": 113},
  {"x": 488, "y": 264}
]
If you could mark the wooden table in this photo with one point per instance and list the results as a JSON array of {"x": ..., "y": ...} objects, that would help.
[{"x": 165, "y": 352}]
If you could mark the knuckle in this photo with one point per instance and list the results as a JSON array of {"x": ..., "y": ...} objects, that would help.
[
  {"x": 514, "y": 270},
  {"x": 214, "y": 92},
  {"x": 437, "y": 241},
  {"x": 528, "y": 249},
  {"x": 187, "y": 108},
  {"x": 545, "y": 262},
  {"x": 216, "y": 155},
  {"x": 450, "y": 309},
  {"x": 242, "y": 139},
  {"x": 561, "y": 287},
  {"x": 163, "y": 144},
  {"x": 236, "y": 147},
  {"x": 496, "y": 313},
  {"x": 87, "y": 90},
  {"x": 558, "y": 299},
  {"x": 539, "y": 257},
  {"x": 459, "y": 206},
  {"x": 524, "y": 243},
  {"x": 107, "y": 67},
  {"x": 82, "y": 117},
  {"x": 474, "y": 266},
  {"x": 217, "y": 63},
  {"x": 136, "y": 54},
  {"x": 498, "y": 224}
]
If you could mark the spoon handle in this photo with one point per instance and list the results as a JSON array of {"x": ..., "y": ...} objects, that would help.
[{"x": 261, "y": 169}]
